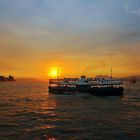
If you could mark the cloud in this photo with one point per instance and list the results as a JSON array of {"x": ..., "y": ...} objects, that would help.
[
  {"x": 132, "y": 8},
  {"x": 136, "y": 12}
]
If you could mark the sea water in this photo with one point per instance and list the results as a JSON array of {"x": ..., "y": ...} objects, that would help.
[{"x": 29, "y": 112}]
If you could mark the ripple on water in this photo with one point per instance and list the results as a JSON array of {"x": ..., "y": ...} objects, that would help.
[{"x": 28, "y": 112}]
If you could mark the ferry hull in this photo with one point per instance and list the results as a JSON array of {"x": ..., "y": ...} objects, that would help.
[
  {"x": 61, "y": 90},
  {"x": 108, "y": 91},
  {"x": 102, "y": 91}
]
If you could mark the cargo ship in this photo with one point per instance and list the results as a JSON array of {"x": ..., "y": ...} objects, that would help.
[{"x": 96, "y": 86}]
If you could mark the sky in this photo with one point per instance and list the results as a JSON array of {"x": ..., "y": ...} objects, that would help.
[{"x": 81, "y": 37}]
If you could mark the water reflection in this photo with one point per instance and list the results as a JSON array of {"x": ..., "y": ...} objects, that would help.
[{"x": 28, "y": 112}]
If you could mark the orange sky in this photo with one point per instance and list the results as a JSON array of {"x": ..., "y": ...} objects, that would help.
[
  {"x": 34, "y": 40},
  {"x": 29, "y": 58}
]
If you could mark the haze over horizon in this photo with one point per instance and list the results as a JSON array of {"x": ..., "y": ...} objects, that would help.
[{"x": 79, "y": 36}]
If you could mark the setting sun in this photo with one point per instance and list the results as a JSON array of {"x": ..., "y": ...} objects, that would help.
[{"x": 54, "y": 72}]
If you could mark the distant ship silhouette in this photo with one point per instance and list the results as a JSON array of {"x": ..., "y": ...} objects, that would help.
[{"x": 5, "y": 79}]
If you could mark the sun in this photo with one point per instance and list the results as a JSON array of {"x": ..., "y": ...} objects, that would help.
[{"x": 54, "y": 72}]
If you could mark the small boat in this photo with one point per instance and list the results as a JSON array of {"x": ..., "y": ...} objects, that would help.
[{"x": 95, "y": 86}]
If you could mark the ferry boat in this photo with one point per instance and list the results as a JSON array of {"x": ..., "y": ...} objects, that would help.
[{"x": 96, "y": 86}]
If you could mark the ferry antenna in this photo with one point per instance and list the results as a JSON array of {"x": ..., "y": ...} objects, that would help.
[
  {"x": 58, "y": 74},
  {"x": 111, "y": 72}
]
